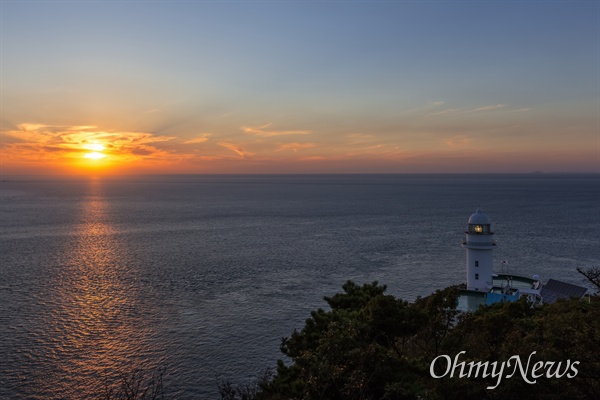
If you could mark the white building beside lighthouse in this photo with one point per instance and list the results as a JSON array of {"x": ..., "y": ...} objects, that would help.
[{"x": 479, "y": 244}]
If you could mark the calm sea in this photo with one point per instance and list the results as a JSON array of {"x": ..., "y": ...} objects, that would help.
[{"x": 205, "y": 274}]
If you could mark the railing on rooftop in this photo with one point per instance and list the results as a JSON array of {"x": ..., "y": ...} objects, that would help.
[{"x": 478, "y": 244}]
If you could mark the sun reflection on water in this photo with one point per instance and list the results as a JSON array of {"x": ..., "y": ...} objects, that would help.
[{"x": 98, "y": 328}]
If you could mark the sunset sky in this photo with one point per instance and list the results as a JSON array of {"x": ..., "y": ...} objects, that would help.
[{"x": 121, "y": 87}]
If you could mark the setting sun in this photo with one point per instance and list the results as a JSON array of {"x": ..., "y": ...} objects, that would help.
[
  {"x": 95, "y": 155},
  {"x": 94, "y": 147}
]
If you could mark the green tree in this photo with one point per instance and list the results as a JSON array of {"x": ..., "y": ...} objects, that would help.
[
  {"x": 563, "y": 332},
  {"x": 369, "y": 345}
]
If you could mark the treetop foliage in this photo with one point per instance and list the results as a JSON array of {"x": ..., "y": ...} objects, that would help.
[{"x": 370, "y": 345}]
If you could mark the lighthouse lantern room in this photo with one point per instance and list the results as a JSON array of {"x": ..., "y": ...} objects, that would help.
[{"x": 479, "y": 244}]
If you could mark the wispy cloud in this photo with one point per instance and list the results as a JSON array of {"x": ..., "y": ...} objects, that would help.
[
  {"x": 447, "y": 111},
  {"x": 200, "y": 139},
  {"x": 295, "y": 146},
  {"x": 459, "y": 111},
  {"x": 486, "y": 108},
  {"x": 429, "y": 106},
  {"x": 236, "y": 149},
  {"x": 35, "y": 142},
  {"x": 361, "y": 136},
  {"x": 262, "y": 131},
  {"x": 436, "y": 103},
  {"x": 458, "y": 141}
]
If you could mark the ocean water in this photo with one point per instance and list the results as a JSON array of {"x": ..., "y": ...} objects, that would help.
[{"x": 206, "y": 274}]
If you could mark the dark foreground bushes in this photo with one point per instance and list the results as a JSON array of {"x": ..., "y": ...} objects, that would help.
[{"x": 370, "y": 345}]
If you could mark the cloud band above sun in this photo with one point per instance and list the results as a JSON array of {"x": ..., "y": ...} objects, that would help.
[
  {"x": 79, "y": 146},
  {"x": 263, "y": 131}
]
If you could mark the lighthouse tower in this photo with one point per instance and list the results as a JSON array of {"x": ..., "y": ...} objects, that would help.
[{"x": 480, "y": 245}]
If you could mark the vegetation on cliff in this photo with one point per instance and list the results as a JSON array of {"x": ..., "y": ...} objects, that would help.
[{"x": 369, "y": 345}]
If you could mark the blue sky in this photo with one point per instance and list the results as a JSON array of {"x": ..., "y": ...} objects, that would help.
[{"x": 267, "y": 86}]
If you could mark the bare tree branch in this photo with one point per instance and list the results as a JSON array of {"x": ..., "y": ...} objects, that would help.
[{"x": 592, "y": 275}]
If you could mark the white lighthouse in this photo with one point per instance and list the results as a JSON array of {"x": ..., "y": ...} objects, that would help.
[{"x": 480, "y": 245}]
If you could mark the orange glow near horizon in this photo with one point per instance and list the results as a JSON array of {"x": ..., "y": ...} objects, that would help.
[
  {"x": 65, "y": 149},
  {"x": 35, "y": 148}
]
